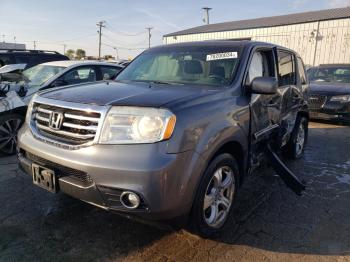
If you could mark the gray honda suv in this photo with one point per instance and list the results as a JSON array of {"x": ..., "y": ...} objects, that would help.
[{"x": 174, "y": 135}]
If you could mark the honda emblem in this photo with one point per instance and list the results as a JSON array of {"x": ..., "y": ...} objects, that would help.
[{"x": 56, "y": 120}]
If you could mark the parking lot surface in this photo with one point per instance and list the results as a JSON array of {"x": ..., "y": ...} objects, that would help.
[{"x": 270, "y": 223}]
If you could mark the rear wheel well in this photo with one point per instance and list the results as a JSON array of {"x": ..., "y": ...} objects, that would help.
[{"x": 236, "y": 150}]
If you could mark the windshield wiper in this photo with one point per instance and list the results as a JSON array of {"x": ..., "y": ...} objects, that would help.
[{"x": 164, "y": 82}]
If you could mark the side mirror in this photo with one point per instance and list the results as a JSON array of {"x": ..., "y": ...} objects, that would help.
[
  {"x": 264, "y": 85},
  {"x": 59, "y": 82}
]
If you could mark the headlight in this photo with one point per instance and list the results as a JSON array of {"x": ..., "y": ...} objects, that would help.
[
  {"x": 136, "y": 125},
  {"x": 30, "y": 109},
  {"x": 341, "y": 99}
]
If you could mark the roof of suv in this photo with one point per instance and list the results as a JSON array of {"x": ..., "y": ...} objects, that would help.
[
  {"x": 222, "y": 43},
  {"x": 68, "y": 63},
  {"x": 28, "y": 51},
  {"x": 215, "y": 43}
]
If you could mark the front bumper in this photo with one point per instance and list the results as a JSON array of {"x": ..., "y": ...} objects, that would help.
[
  {"x": 328, "y": 110},
  {"x": 339, "y": 117},
  {"x": 98, "y": 174}
]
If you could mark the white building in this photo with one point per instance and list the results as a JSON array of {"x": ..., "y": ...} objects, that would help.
[
  {"x": 5, "y": 45},
  {"x": 320, "y": 37}
]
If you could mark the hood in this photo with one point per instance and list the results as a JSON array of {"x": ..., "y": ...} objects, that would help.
[
  {"x": 118, "y": 93},
  {"x": 329, "y": 88},
  {"x": 11, "y": 68}
]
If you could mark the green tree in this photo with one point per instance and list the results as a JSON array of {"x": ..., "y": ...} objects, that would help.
[
  {"x": 70, "y": 53},
  {"x": 80, "y": 53},
  {"x": 107, "y": 57}
]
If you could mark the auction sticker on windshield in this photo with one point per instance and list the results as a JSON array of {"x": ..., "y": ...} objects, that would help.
[{"x": 219, "y": 56}]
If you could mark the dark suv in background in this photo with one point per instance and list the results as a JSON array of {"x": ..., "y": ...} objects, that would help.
[
  {"x": 175, "y": 135},
  {"x": 29, "y": 57}
]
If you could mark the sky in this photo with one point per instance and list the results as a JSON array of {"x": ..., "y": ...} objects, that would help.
[{"x": 53, "y": 24}]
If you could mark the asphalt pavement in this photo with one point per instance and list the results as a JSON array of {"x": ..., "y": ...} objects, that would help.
[{"x": 270, "y": 222}]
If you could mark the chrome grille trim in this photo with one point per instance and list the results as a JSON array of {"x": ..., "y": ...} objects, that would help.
[
  {"x": 68, "y": 134},
  {"x": 91, "y": 128},
  {"x": 44, "y": 110},
  {"x": 81, "y": 117},
  {"x": 316, "y": 101},
  {"x": 79, "y": 130},
  {"x": 41, "y": 118}
]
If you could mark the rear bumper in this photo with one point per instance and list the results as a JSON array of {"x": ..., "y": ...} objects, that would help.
[{"x": 99, "y": 174}]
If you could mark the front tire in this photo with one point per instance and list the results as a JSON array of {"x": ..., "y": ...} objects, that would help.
[
  {"x": 215, "y": 196},
  {"x": 9, "y": 126}
]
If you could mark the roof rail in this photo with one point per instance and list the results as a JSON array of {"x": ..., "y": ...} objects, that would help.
[{"x": 28, "y": 51}]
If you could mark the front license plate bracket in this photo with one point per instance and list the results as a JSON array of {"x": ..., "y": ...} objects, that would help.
[{"x": 44, "y": 178}]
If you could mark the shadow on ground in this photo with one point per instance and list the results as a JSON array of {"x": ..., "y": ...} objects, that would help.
[{"x": 269, "y": 222}]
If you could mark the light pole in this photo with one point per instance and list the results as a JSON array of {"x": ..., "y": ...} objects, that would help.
[
  {"x": 149, "y": 36},
  {"x": 116, "y": 52},
  {"x": 206, "y": 18}
]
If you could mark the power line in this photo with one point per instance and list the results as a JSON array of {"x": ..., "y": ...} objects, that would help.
[
  {"x": 125, "y": 48},
  {"x": 77, "y": 38},
  {"x": 111, "y": 40},
  {"x": 123, "y": 33}
]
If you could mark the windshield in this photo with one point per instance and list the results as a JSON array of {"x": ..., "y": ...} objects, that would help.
[
  {"x": 184, "y": 65},
  {"x": 339, "y": 74},
  {"x": 39, "y": 74}
]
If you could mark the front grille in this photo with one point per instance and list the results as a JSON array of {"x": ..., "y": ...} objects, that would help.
[
  {"x": 61, "y": 171},
  {"x": 317, "y": 101},
  {"x": 78, "y": 127}
]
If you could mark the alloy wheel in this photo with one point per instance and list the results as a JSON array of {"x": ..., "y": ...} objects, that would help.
[
  {"x": 300, "y": 140},
  {"x": 219, "y": 197},
  {"x": 8, "y": 135}
]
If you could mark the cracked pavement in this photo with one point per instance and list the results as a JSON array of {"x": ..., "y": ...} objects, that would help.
[{"x": 270, "y": 222}]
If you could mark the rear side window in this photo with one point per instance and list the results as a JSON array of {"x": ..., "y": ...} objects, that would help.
[
  {"x": 301, "y": 70},
  {"x": 286, "y": 69},
  {"x": 30, "y": 60},
  {"x": 109, "y": 72},
  {"x": 5, "y": 60},
  {"x": 55, "y": 58},
  {"x": 80, "y": 75}
]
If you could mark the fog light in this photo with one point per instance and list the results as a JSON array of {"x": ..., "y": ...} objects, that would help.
[{"x": 130, "y": 200}]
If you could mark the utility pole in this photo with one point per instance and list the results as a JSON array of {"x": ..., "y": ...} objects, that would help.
[
  {"x": 149, "y": 36},
  {"x": 3, "y": 38},
  {"x": 206, "y": 18},
  {"x": 116, "y": 52},
  {"x": 34, "y": 45},
  {"x": 316, "y": 42},
  {"x": 14, "y": 39},
  {"x": 64, "y": 48},
  {"x": 100, "y": 25}
]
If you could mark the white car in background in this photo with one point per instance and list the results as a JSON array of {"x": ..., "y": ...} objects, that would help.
[{"x": 14, "y": 96}]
